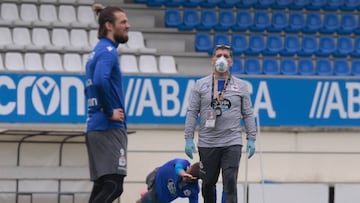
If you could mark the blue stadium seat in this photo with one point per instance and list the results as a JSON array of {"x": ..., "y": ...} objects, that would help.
[
  {"x": 247, "y": 3},
  {"x": 203, "y": 43},
  {"x": 313, "y": 23},
  {"x": 261, "y": 21},
  {"x": 299, "y": 4},
  {"x": 333, "y": 5},
  {"x": 288, "y": 67},
  {"x": 323, "y": 67},
  {"x": 190, "y": 20},
  {"x": 270, "y": 66},
  {"x": 172, "y": 18},
  {"x": 243, "y": 21},
  {"x": 192, "y": 3},
  {"x": 291, "y": 45},
  {"x": 348, "y": 24},
  {"x": 306, "y": 66},
  {"x": 226, "y": 20},
  {"x": 341, "y": 67},
  {"x": 316, "y": 4},
  {"x": 237, "y": 67},
  {"x": 229, "y": 3},
  {"x": 155, "y": 3},
  {"x": 208, "y": 20},
  {"x": 173, "y": 3},
  {"x": 309, "y": 46},
  {"x": 281, "y": 4},
  {"x": 274, "y": 45},
  {"x": 264, "y": 4},
  {"x": 356, "y": 51},
  {"x": 296, "y": 22},
  {"x": 355, "y": 67},
  {"x": 326, "y": 46},
  {"x": 239, "y": 44},
  {"x": 344, "y": 46},
  {"x": 256, "y": 44},
  {"x": 221, "y": 39},
  {"x": 350, "y": 5},
  {"x": 252, "y": 66},
  {"x": 278, "y": 22},
  {"x": 210, "y": 3},
  {"x": 331, "y": 23}
]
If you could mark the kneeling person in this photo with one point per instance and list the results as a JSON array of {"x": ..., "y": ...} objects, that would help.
[{"x": 176, "y": 178}]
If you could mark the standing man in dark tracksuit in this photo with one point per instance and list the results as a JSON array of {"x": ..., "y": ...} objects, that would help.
[
  {"x": 106, "y": 134},
  {"x": 221, "y": 100}
]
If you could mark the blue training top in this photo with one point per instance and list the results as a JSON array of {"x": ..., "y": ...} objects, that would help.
[
  {"x": 104, "y": 88},
  {"x": 169, "y": 184}
]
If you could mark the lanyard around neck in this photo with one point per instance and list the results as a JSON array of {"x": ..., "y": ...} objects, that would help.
[{"x": 215, "y": 83}]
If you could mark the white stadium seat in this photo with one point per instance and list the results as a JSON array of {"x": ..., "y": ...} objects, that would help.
[
  {"x": 79, "y": 39},
  {"x": 9, "y": 13},
  {"x": 67, "y": 14},
  {"x": 1, "y": 63},
  {"x": 5, "y": 39},
  {"x": 84, "y": 59},
  {"x": 60, "y": 37},
  {"x": 28, "y": 12},
  {"x": 14, "y": 61},
  {"x": 40, "y": 37},
  {"x": 33, "y": 62},
  {"x": 53, "y": 62},
  {"x": 136, "y": 41},
  {"x": 88, "y": 2},
  {"x": 128, "y": 64},
  {"x": 148, "y": 64},
  {"x": 21, "y": 37},
  {"x": 167, "y": 64},
  {"x": 48, "y": 14},
  {"x": 72, "y": 63},
  {"x": 86, "y": 16},
  {"x": 93, "y": 38}
]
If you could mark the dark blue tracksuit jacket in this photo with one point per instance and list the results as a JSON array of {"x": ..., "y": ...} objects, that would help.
[{"x": 104, "y": 88}]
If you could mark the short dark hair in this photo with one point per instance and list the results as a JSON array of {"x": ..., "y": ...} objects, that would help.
[
  {"x": 195, "y": 169},
  {"x": 105, "y": 14}
]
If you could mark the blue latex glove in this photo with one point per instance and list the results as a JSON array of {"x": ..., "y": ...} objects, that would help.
[
  {"x": 250, "y": 148},
  {"x": 189, "y": 147}
]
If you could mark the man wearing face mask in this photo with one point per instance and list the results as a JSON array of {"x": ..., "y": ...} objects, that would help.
[{"x": 220, "y": 100}]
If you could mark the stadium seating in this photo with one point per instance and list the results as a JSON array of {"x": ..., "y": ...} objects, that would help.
[
  {"x": 1, "y": 63},
  {"x": 291, "y": 45},
  {"x": 324, "y": 67},
  {"x": 226, "y": 20},
  {"x": 344, "y": 46},
  {"x": 221, "y": 39},
  {"x": 306, "y": 66},
  {"x": 190, "y": 20},
  {"x": 14, "y": 61},
  {"x": 239, "y": 44},
  {"x": 299, "y": 4},
  {"x": 261, "y": 21},
  {"x": 326, "y": 46},
  {"x": 229, "y": 3},
  {"x": 341, "y": 67},
  {"x": 208, "y": 20},
  {"x": 167, "y": 65},
  {"x": 172, "y": 18},
  {"x": 355, "y": 67},
  {"x": 274, "y": 45},
  {"x": 33, "y": 62},
  {"x": 148, "y": 64},
  {"x": 53, "y": 62},
  {"x": 271, "y": 67},
  {"x": 331, "y": 23},
  {"x": 128, "y": 63},
  {"x": 73, "y": 63},
  {"x": 348, "y": 24},
  {"x": 316, "y": 4},
  {"x": 256, "y": 45},
  {"x": 210, "y": 3},
  {"x": 252, "y": 66},
  {"x": 296, "y": 22},
  {"x": 288, "y": 66},
  {"x": 203, "y": 43},
  {"x": 278, "y": 22},
  {"x": 281, "y": 4},
  {"x": 237, "y": 67},
  {"x": 243, "y": 21},
  {"x": 173, "y": 3},
  {"x": 309, "y": 46},
  {"x": 313, "y": 23}
]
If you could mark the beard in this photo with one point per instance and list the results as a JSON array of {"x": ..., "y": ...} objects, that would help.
[{"x": 120, "y": 39}]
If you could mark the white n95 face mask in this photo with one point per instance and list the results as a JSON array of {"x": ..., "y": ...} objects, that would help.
[{"x": 221, "y": 65}]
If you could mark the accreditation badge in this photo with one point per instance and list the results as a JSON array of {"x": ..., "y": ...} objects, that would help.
[{"x": 210, "y": 119}]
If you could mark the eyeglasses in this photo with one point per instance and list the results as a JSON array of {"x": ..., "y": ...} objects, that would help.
[{"x": 220, "y": 46}]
